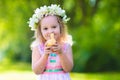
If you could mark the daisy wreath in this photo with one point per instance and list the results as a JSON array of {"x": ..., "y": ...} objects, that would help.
[{"x": 45, "y": 11}]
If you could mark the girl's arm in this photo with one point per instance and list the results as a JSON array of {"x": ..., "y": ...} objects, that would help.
[
  {"x": 66, "y": 59},
  {"x": 38, "y": 61}
]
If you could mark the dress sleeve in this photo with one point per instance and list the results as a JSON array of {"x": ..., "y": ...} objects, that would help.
[{"x": 65, "y": 47}]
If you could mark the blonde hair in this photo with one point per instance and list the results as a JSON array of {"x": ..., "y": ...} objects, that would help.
[{"x": 63, "y": 31}]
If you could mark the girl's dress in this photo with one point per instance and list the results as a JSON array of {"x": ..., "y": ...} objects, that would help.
[{"x": 53, "y": 70}]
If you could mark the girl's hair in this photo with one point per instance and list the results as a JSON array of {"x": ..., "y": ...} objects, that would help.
[{"x": 63, "y": 31}]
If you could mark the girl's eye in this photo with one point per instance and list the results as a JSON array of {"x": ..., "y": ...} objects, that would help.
[
  {"x": 45, "y": 28},
  {"x": 54, "y": 27}
]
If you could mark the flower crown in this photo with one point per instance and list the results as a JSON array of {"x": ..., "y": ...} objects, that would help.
[{"x": 45, "y": 11}]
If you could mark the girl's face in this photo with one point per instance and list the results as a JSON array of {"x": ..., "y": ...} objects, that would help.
[{"x": 49, "y": 24}]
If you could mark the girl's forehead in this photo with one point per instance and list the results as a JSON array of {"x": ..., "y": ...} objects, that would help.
[{"x": 49, "y": 20}]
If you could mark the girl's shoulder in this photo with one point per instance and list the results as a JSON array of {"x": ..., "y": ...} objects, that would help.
[{"x": 35, "y": 45}]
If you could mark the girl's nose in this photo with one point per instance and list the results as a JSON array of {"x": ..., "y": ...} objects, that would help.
[
  {"x": 48, "y": 34},
  {"x": 51, "y": 31}
]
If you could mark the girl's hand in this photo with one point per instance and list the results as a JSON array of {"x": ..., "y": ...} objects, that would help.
[
  {"x": 47, "y": 49},
  {"x": 56, "y": 48}
]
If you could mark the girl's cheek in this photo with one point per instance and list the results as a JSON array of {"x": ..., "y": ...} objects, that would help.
[
  {"x": 44, "y": 34},
  {"x": 47, "y": 36}
]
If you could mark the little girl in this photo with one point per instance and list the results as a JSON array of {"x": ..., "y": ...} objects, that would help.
[{"x": 55, "y": 61}]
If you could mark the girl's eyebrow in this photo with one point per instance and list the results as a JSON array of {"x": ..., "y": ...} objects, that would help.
[
  {"x": 43, "y": 26},
  {"x": 51, "y": 26},
  {"x": 55, "y": 25}
]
